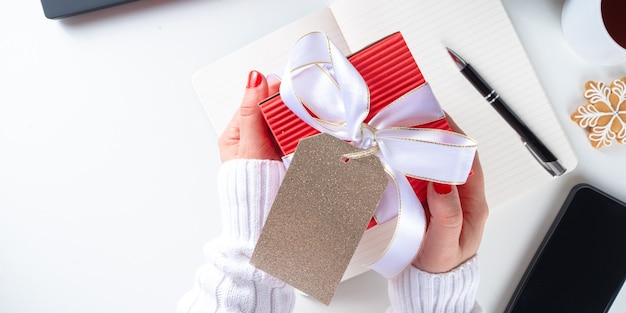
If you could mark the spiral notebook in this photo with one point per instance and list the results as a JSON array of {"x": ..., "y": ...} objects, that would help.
[{"x": 479, "y": 30}]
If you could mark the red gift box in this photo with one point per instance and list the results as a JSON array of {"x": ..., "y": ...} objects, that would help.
[{"x": 389, "y": 71}]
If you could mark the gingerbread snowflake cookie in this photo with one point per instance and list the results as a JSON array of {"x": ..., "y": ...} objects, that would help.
[{"x": 604, "y": 115}]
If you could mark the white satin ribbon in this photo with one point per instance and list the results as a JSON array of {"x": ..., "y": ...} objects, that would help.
[{"x": 321, "y": 80}]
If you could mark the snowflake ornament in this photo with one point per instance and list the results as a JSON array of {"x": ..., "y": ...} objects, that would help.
[{"x": 604, "y": 115}]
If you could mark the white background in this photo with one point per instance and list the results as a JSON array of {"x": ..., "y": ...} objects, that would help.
[{"x": 108, "y": 161}]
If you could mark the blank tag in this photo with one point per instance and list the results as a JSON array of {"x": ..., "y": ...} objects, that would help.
[{"x": 319, "y": 215}]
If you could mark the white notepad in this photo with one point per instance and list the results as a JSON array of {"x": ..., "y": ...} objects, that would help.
[{"x": 479, "y": 30}]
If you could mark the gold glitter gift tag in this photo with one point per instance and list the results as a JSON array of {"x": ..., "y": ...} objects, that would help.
[{"x": 319, "y": 215}]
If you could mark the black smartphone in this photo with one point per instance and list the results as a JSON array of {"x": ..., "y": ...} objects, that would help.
[{"x": 581, "y": 264}]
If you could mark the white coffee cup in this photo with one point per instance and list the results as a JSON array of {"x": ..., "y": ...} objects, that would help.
[{"x": 585, "y": 30}]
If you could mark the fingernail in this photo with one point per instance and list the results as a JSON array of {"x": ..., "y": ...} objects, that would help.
[
  {"x": 442, "y": 189},
  {"x": 272, "y": 78},
  {"x": 254, "y": 79}
]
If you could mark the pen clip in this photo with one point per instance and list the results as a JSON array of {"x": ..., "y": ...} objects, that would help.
[{"x": 553, "y": 167}]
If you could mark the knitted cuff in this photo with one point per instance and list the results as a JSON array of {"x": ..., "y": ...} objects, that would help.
[
  {"x": 247, "y": 189},
  {"x": 418, "y": 291}
]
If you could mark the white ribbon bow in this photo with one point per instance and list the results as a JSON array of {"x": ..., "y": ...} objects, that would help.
[{"x": 320, "y": 79}]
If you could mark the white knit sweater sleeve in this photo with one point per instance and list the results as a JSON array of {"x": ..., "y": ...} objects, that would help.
[
  {"x": 227, "y": 282},
  {"x": 452, "y": 292}
]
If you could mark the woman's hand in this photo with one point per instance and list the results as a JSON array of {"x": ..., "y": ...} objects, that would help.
[
  {"x": 247, "y": 135},
  {"x": 456, "y": 217}
]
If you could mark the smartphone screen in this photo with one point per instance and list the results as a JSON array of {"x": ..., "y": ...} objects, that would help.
[{"x": 581, "y": 264}]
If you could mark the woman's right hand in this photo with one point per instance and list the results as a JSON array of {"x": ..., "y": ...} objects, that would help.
[{"x": 456, "y": 217}]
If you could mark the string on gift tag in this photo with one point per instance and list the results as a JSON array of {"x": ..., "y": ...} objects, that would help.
[{"x": 359, "y": 154}]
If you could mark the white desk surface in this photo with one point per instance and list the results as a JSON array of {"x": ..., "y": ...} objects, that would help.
[{"x": 108, "y": 161}]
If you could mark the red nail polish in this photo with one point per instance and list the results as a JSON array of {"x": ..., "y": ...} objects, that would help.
[
  {"x": 442, "y": 189},
  {"x": 254, "y": 79}
]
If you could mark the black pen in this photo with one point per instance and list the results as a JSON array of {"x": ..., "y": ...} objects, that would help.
[{"x": 534, "y": 145}]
